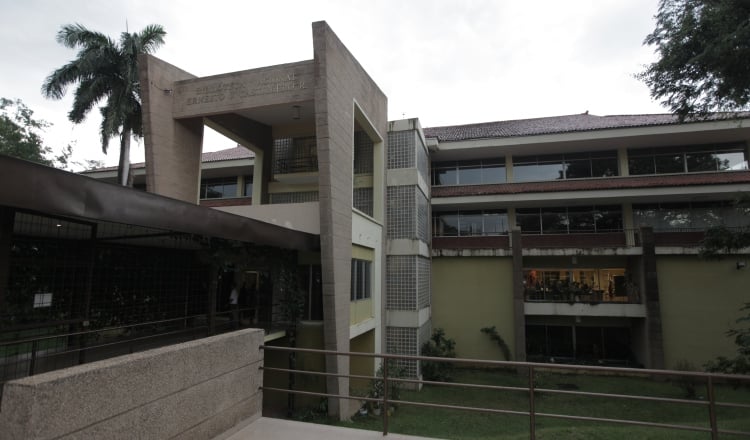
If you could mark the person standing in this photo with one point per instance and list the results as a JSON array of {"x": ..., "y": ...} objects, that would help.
[{"x": 234, "y": 297}]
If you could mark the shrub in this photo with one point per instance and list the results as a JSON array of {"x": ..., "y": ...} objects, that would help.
[{"x": 438, "y": 346}]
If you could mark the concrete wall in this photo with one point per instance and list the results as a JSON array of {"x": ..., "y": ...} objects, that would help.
[
  {"x": 341, "y": 83},
  {"x": 471, "y": 293},
  {"x": 700, "y": 301},
  {"x": 194, "y": 390},
  {"x": 173, "y": 147}
]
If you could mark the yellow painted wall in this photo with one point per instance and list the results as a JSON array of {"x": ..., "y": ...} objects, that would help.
[
  {"x": 469, "y": 293},
  {"x": 700, "y": 301},
  {"x": 309, "y": 335},
  {"x": 360, "y": 310},
  {"x": 362, "y": 366}
]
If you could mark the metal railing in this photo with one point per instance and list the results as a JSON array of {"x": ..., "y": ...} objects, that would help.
[
  {"x": 529, "y": 371},
  {"x": 33, "y": 355}
]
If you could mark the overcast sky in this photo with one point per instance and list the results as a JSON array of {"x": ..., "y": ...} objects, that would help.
[{"x": 445, "y": 62}]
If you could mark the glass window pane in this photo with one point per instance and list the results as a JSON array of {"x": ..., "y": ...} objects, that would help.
[
  {"x": 470, "y": 175},
  {"x": 669, "y": 163},
  {"x": 578, "y": 169},
  {"x": 528, "y": 220},
  {"x": 554, "y": 221},
  {"x": 581, "y": 219},
  {"x": 353, "y": 284},
  {"x": 446, "y": 176},
  {"x": 446, "y": 224},
  {"x": 248, "y": 190},
  {"x": 495, "y": 223},
  {"x": 641, "y": 165},
  {"x": 493, "y": 173},
  {"x": 214, "y": 191},
  {"x": 731, "y": 160},
  {"x": 470, "y": 223},
  {"x": 229, "y": 190},
  {"x": 604, "y": 167},
  {"x": 701, "y": 161},
  {"x": 608, "y": 218},
  {"x": 537, "y": 172}
]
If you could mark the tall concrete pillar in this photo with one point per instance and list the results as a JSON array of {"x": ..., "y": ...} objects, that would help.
[
  {"x": 173, "y": 146},
  {"x": 519, "y": 315},
  {"x": 651, "y": 294}
]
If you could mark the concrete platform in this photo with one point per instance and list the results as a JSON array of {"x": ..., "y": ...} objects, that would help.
[{"x": 277, "y": 429}]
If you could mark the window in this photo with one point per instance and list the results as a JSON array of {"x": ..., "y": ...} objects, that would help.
[
  {"x": 361, "y": 279},
  {"x": 247, "y": 191},
  {"x": 694, "y": 215},
  {"x": 565, "y": 166},
  {"x": 469, "y": 223},
  {"x": 686, "y": 159},
  {"x": 478, "y": 172},
  {"x": 222, "y": 188},
  {"x": 571, "y": 220}
]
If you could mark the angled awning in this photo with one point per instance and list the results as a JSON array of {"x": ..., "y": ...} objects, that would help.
[{"x": 30, "y": 186}]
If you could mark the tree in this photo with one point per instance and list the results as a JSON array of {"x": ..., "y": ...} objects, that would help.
[
  {"x": 105, "y": 70},
  {"x": 20, "y": 135},
  {"x": 704, "y": 56}
]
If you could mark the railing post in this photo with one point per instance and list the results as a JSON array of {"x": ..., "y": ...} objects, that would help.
[
  {"x": 532, "y": 421},
  {"x": 32, "y": 361},
  {"x": 385, "y": 397},
  {"x": 712, "y": 408}
]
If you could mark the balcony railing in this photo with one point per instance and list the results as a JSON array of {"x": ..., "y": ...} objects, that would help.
[
  {"x": 532, "y": 390},
  {"x": 299, "y": 164}
]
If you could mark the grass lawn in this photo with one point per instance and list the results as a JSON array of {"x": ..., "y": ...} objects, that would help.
[{"x": 456, "y": 424}]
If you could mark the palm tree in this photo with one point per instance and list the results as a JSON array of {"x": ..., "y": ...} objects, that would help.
[{"x": 105, "y": 70}]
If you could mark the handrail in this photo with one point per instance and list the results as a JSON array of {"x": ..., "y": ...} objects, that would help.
[{"x": 531, "y": 367}]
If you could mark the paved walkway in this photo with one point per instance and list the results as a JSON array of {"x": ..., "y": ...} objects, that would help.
[{"x": 278, "y": 429}]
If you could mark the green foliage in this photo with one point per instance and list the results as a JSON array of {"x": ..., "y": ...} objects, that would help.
[
  {"x": 438, "y": 346},
  {"x": 704, "y": 56},
  {"x": 377, "y": 386},
  {"x": 720, "y": 239},
  {"x": 105, "y": 70},
  {"x": 686, "y": 384},
  {"x": 20, "y": 135},
  {"x": 495, "y": 336},
  {"x": 740, "y": 364}
]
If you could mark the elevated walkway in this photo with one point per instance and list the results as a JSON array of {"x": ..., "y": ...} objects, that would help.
[{"x": 277, "y": 429}]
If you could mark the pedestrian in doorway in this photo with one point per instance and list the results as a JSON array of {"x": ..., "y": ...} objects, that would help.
[{"x": 234, "y": 297}]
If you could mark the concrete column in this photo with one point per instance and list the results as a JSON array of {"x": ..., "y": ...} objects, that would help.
[
  {"x": 622, "y": 161},
  {"x": 173, "y": 147},
  {"x": 651, "y": 294},
  {"x": 519, "y": 316}
]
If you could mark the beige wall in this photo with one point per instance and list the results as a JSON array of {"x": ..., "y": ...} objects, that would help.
[
  {"x": 189, "y": 390},
  {"x": 700, "y": 301},
  {"x": 471, "y": 293}
]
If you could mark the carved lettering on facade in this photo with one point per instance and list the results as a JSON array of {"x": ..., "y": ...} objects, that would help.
[{"x": 237, "y": 90}]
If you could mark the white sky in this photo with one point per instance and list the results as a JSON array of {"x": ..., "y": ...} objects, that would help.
[{"x": 445, "y": 62}]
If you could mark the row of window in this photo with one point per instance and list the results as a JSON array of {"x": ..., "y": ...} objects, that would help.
[
  {"x": 225, "y": 187},
  {"x": 643, "y": 161},
  {"x": 587, "y": 219},
  {"x": 470, "y": 223}
]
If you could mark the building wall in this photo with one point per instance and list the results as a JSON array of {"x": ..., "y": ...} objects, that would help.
[
  {"x": 471, "y": 293},
  {"x": 342, "y": 88},
  {"x": 700, "y": 301}
]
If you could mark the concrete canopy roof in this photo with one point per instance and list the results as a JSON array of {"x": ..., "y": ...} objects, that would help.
[{"x": 30, "y": 186}]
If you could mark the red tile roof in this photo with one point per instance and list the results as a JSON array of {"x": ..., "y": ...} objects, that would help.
[
  {"x": 594, "y": 184},
  {"x": 236, "y": 153},
  {"x": 556, "y": 124}
]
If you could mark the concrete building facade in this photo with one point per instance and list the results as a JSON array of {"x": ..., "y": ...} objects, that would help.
[{"x": 575, "y": 236}]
